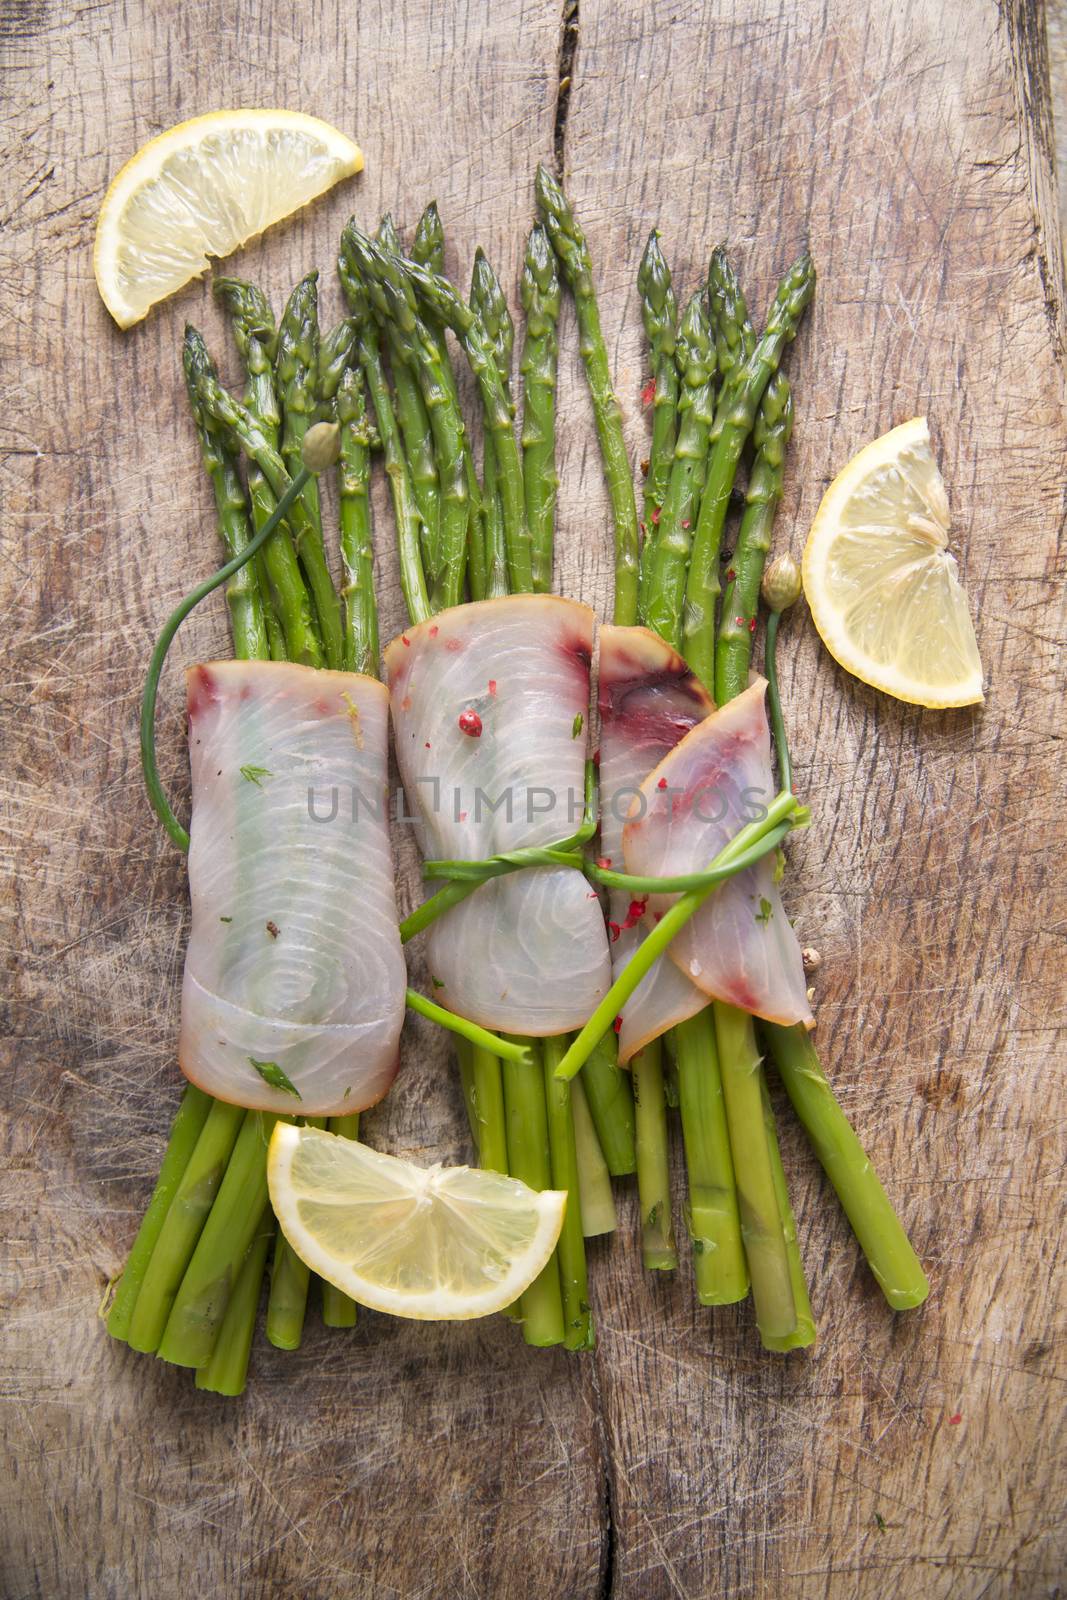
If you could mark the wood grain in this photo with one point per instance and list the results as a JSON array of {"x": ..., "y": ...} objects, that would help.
[{"x": 915, "y": 1456}]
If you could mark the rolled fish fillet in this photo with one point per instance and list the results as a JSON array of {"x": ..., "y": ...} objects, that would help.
[
  {"x": 740, "y": 946},
  {"x": 489, "y": 706},
  {"x": 294, "y": 972},
  {"x": 648, "y": 699}
]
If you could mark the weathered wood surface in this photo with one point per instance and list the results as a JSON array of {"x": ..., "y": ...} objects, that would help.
[{"x": 915, "y": 1456}]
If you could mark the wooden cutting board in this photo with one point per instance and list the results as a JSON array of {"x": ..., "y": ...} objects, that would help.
[{"x": 905, "y": 1456}]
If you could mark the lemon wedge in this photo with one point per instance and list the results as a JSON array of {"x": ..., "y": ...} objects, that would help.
[
  {"x": 202, "y": 189},
  {"x": 880, "y": 580},
  {"x": 433, "y": 1243}
]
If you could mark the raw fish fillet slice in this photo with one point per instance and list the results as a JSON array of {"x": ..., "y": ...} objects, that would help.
[
  {"x": 739, "y": 947},
  {"x": 489, "y": 707},
  {"x": 648, "y": 700},
  {"x": 294, "y": 957}
]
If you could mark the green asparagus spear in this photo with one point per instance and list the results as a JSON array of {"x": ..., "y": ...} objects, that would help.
[
  {"x": 357, "y": 547},
  {"x": 248, "y": 433},
  {"x": 846, "y": 1164},
  {"x": 489, "y": 305},
  {"x": 414, "y": 424},
  {"x": 428, "y": 246},
  {"x": 442, "y": 302},
  {"x": 405, "y": 509},
  {"x": 540, "y": 294},
  {"x": 390, "y": 296},
  {"x": 661, "y": 596},
  {"x": 761, "y": 1223},
  {"x": 734, "y": 417},
  {"x": 570, "y": 1252},
  {"x": 243, "y": 594},
  {"x": 302, "y": 642},
  {"x": 568, "y": 241},
  {"x": 338, "y": 1309},
  {"x": 658, "y": 1250},
  {"x": 734, "y": 335},
  {"x": 659, "y": 313},
  {"x": 256, "y": 337},
  {"x": 714, "y": 1221},
  {"x": 529, "y": 1159},
  {"x": 337, "y": 351},
  {"x": 594, "y": 1179},
  {"x": 240, "y": 1205},
  {"x": 428, "y": 250},
  {"x": 488, "y": 1102},
  {"x": 803, "y": 1334},
  {"x": 183, "y": 1224},
  {"x": 733, "y": 645},
  {"x": 289, "y": 1281},
  {"x": 296, "y": 371},
  {"x": 611, "y": 1105},
  {"x": 226, "y": 1368},
  {"x": 185, "y": 1131}
]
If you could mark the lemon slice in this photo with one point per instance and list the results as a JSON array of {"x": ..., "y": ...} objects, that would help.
[
  {"x": 435, "y": 1243},
  {"x": 881, "y": 583},
  {"x": 203, "y": 188}
]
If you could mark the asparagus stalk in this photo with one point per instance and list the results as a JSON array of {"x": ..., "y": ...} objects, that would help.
[
  {"x": 659, "y": 314},
  {"x": 428, "y": 250},
  {"x": 569, "y": 243},
  {"x": 529, "y": 1159},
  {"x": 248, "y": 433},
  {"x": 243, "y": 594},
  {"x": 661, "y": 597},
  {"x": 445, "y": 305},
  {"x": 734, "y": 335},
  {"x": 357, "y": 547},
  {"x": 804, "y": 1332},
  {"x": 658, "y": 1249},
  {"x": 488, "y": 1102},
  {"x": 296, "y": 370},
  {"x": 845, "y": 1162},
  {"x": 611, "y": 1106},
  {"x": 428, "y": 246},
  {"x": 714, "y": 1220},
  {"x": 540, "y": 294},
  {"x": 594, "y": 1179},
  {"x": 185, "y": 1131},
  {"x": 734, "y": 417},
  {"x": 336, "y": 353},
  {"x": 389, "y": 294},
  {"x": 338, "y": 1309},
  {"x": 489, "y": 305},
  {"x": 205, "y": 1291},
  {"x": 183, "y": 1225},
  {"x": 405, "y": 508},
  {"x": 733, "y": 645},
  {"x": 289, "y": 1281},
  {"x": 414, "y": 425},
  {"x": 302, "y": 641},
  {"x": 255, "y": 335},
  {"x": 570, "y": 1252},
  {"x": 226, "y": 1368},
  {"x": 761, "y": 1224}
]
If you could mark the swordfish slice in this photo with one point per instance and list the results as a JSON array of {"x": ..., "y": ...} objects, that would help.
[
  {"x": 648, "y": 701},
  {"x": 489, "y": 708},
  {"x": 739, "y": 947},
  {"x": 294, "y": 969}
]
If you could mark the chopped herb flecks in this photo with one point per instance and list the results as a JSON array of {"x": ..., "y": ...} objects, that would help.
[
  {"x": 255, "y": 774},
  {"x": 272, "y": 1073}
]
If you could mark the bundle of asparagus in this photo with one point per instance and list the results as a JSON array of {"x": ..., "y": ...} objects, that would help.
[{"x": 502, "y": 686}]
